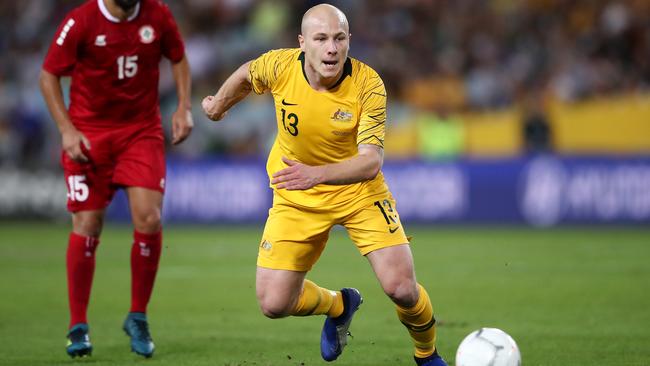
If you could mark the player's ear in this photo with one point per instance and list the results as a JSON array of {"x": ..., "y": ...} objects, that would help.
[{"x": 301, "y": 42}]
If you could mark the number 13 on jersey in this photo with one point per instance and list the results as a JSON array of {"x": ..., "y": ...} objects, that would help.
[{"x": 292, "y": 125}]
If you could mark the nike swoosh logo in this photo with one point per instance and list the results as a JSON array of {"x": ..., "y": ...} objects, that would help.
[
  {"x": 284, "y": 102},
  {"x": 393, "y": 230}
]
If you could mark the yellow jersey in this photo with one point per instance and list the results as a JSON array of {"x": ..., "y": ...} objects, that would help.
[{"x": 322, "y": 127}]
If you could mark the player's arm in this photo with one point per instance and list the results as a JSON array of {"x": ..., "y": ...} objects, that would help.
[
  {"x": 364, "y": 166},
  {"x": 71, "y": 138},
  {"x": 234, "y": 89},
  {"x": 182, "y": 119}
]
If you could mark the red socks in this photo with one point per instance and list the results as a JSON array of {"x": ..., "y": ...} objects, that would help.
[
  {"x": 80, "y": 265},
  {"x": 145, "y": 255}
]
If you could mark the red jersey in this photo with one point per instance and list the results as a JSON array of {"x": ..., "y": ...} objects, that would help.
[{"x": 113, "y": 64}]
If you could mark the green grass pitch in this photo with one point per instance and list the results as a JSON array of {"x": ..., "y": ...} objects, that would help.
[{"x": 568, "y": 296}]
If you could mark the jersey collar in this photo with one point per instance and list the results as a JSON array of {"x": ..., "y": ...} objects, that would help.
[
  {"x": 347, "y": 70},
  {"x": 109, "y": 16}
]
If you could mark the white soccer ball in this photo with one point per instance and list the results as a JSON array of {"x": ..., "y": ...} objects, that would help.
[{"x": 488, "y": 347}]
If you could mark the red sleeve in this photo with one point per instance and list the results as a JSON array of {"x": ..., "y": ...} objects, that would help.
[
  {"x": 62, "y": 54},
  {"x": 172, "y": 42}
]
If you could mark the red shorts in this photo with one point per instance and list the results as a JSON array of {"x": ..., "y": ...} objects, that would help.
[{"x": 129, "y": 156}]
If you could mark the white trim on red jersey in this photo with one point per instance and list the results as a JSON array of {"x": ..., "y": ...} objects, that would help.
[{"x": 109, "y": 16}]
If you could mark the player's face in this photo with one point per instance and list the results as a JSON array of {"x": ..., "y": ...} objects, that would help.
[
  {"x": 126, "y": 5},
  {"x": 326, "y": 44}
]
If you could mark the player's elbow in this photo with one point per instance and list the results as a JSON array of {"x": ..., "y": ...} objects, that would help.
[
  {"x": 373, "y": 170},
  {"x": 372, "y": 159},
  {"x": 372, "y": 166},
  {"x": 48, "y": 83},
  {"x": 44, "y": 80}
]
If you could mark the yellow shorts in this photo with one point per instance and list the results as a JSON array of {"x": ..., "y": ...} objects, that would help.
[{"x": 295, "y": 236}]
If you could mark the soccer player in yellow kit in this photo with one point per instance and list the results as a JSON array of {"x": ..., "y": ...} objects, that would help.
[{"x": 325, "y": 169}]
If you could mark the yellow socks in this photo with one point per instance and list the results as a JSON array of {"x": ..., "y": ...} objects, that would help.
[
  {"x": 420, "y": 323},
  {"x": 418, "y": 319},
  {"x": 316, "y": 300}
]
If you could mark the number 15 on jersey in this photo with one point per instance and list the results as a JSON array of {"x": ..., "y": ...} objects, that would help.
[{"x": 127, "y": 66}]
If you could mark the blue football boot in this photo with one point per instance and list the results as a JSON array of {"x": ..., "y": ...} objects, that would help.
[
  {"x": 137, "y": 328},
  {"x": 79, "y": 341},
  {"x": 335, "y": 333},
  {"x": 433, "y": 360}
]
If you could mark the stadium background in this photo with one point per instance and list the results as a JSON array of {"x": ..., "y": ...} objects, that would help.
[
  {"x": 503, "y": 115},
  {"x": 502, "y": 111}
]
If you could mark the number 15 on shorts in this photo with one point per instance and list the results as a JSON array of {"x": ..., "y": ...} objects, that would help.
[{"x": 77, "y": 188}]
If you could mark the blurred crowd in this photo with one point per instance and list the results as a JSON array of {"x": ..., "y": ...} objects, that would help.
[{"x": 435, "y": 56}]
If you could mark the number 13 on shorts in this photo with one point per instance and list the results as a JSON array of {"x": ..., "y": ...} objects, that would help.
[{"x": 387, "y": 211}]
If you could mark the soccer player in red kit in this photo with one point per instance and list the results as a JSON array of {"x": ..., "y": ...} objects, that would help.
[{"x": 112, "y": 138}]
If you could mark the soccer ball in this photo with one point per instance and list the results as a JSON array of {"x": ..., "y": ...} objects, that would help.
[{"x": 488, "y": 347}]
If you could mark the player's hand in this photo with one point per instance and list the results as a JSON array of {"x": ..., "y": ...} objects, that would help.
[
  {"x": 209, "y": 105},
  {"x": 72, "y": 141},
  {"x": 297, "y": 176},
  {"x": 182, "y": 124}
]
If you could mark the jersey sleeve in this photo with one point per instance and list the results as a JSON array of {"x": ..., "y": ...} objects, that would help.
[
  {"x": 173, "y": 47},
  {"x": 372, "y": 123},
  {"x": 62, "y": 55},
  {"x": 265, "y": 70}
]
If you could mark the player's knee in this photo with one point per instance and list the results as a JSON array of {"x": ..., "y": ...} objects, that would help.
[
  {"x": 87, "y": 224},
  {"x": 402, "y": 292},
  {"x": 273, "y": 308},
  {"x": 148, "y": 222},
  {"x": 273, "y": 313}
]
